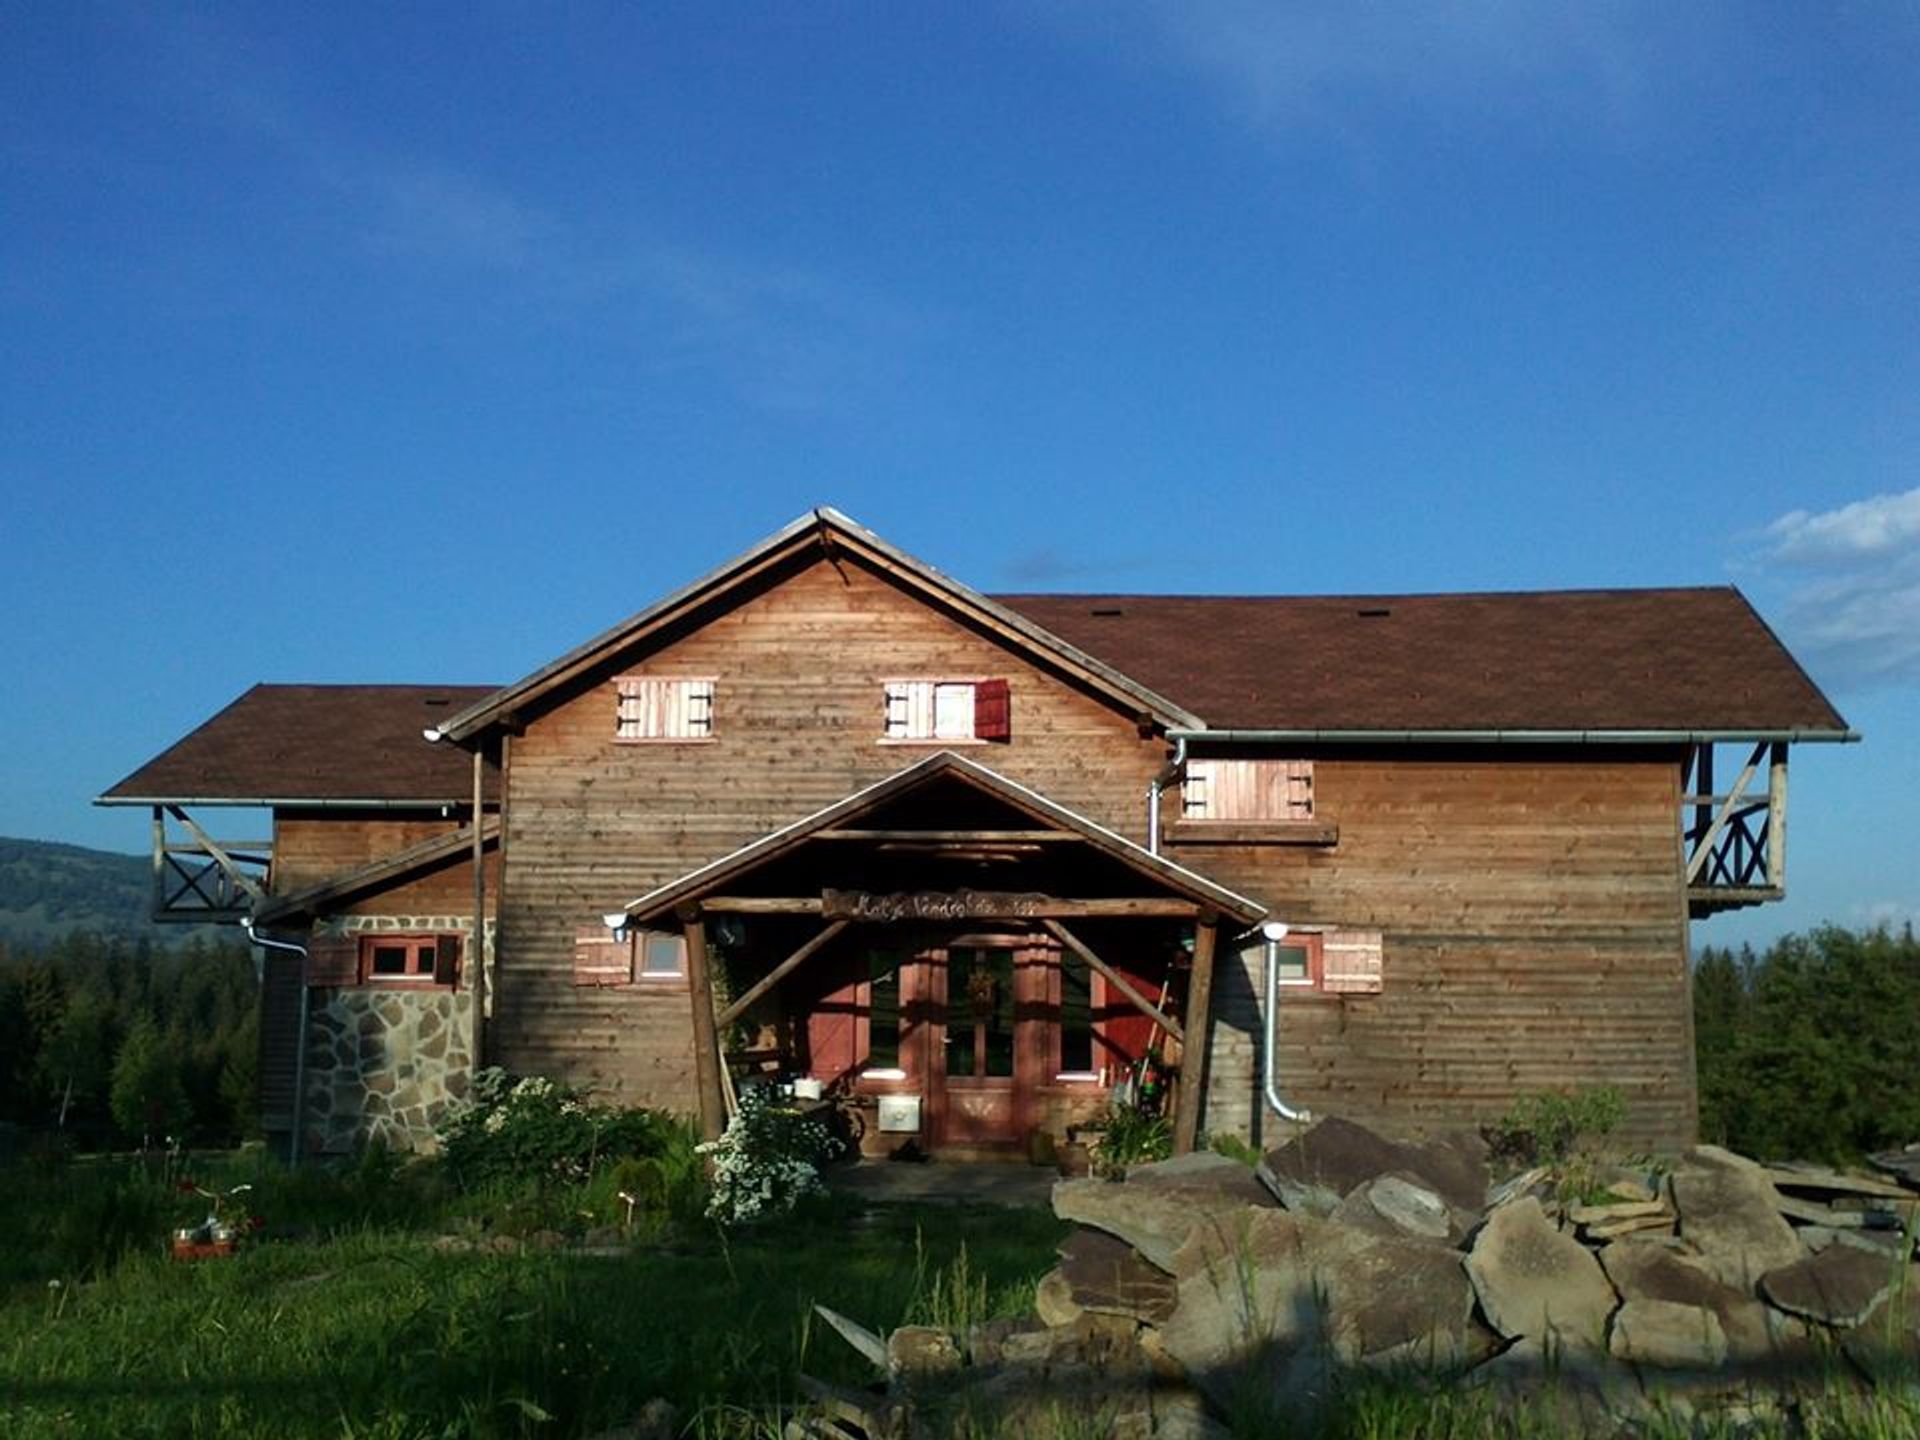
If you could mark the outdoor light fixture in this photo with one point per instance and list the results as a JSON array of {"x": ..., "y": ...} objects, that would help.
[
  {"x": 616, "y": 921},
  {"x": 1274, "y": 931}
]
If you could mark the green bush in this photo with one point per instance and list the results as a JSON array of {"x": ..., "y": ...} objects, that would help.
[
  {"x": 768, "y": 1159},
  {"x": 1131, "y": 1137},
  {"x": 537, "y": 1130},
  {"x": 1546, "y": 1127}
]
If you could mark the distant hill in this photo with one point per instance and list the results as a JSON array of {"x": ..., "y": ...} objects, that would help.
[{"x": 48, "y": 890}]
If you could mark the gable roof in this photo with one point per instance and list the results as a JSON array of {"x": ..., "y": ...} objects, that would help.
[
  {"x": 295, "y": 744},
  {"x": 1629, "y": 662},
  {"x": 828, "y": 530},
  {"x": 946, "y": 764}
]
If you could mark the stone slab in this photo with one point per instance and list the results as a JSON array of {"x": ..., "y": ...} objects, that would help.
[
  {"x": 1534, "y": 1281},
  {"x": 1154, "y": 1217},
  {"x": 1314, "y": 1171},
  {"x": 1108, "y": 1276},
  {"x": 1641, "y": 1270},
  {"x": 1667, "y": 1335},
  {"x": 1730, "y": 1212},
  {"x": 1840, "y": 1286}
]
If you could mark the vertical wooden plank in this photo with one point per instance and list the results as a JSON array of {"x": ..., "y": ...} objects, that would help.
[
  {"x": 1777, "y": 818},
  {"x": 1198, "y": 1022},
  {"x": 706, "y": 1036},
  {"x": 159, "y": 862},
  {"x": 477, "y": 952}
]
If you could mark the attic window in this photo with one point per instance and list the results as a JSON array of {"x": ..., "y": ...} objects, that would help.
[
  {"x": 954, "y": 710},
  {"x": 1106, "y": 610},
  {"x": 1374, "y": 612},
  {"x": 1247, "y": 790},
  {"x": 657, "y": 707}
]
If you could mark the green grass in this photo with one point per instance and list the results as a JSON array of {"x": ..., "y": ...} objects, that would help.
[{"x": 365, "y": 1330}]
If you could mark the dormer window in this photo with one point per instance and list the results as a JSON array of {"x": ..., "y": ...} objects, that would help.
[
  {"x": 956, "y": 710},
  {"x": 660, "y": 707}
]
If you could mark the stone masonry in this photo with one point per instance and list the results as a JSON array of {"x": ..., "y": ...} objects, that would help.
[{"x": 385, "y": 1062}]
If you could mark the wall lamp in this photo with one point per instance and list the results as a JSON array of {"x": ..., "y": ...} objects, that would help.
[{"x": 616, "y": 921}]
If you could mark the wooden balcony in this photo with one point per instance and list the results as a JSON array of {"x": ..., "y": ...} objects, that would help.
[{"x": 1735, "y": 841}]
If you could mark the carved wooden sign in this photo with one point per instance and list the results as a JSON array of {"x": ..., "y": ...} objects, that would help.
[{"x": 932, "y": 905}]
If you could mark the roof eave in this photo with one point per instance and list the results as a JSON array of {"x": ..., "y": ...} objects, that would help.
[
  {"x": 1756, "y": 734},
  {"x": 462, "y": 727},
  {"x": 290, "y": 802}
]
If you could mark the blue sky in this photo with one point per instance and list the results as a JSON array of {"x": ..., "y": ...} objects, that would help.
[{"x": 419, "y": 342}]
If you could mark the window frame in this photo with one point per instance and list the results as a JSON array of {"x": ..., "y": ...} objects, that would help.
[
  {"x": 418, "y": 943},
  {"x": 976, "y": 687},
  {"x": 641, "y": 975},
  {"x": 691, "y": 694}
]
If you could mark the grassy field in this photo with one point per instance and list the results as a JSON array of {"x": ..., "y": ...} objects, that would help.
[
  {"x": 361, "y": 1327},
  {"x": 349, "y": 1320}
]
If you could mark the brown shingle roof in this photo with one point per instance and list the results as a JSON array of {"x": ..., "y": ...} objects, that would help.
[
  {"x": 316, "y": 742},
  {"x": 1619, "y": 660}
]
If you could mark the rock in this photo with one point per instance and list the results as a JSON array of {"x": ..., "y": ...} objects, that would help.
[
  {"x": 1622, "y": 1210},
  {"x": 1392, "y": 1300},
  {"x": 1890, "y": 1243},
  {"x": 1644, "y": 1271},
  {"x": 919, "y": 1352},
  {"x": 1053, "y": 1300},
  {"x": 1313, "y": 1172},
  {"x": 1411, "y": 1207},
  {"x": 855, "y": 1334},
  {"x": 1639, "y": 1225},
  {"x": 546, "y": 1240},
  {"x": 1156, "y": 1213},
  {"x": 1903, "y": 1163},
  {"x": 1249, "y": 1318},
  {"x": 1108, "y": 1276},
  {"x": 1729, "y": 1210},
  {"x": 986, "y": 1340},
  {"x": 1822, "y": 1181},
  {"x": 1667, "y": 1335},
  {"x": 1205, "y": 1174},
  {"x": 1535, "y": 1282},
  {"x": 1840, "y": 1286},
  {"x": 656, "y": 1420},
  {"x": 1631, "y": 1188},
  {"x": 1886, "y": 1345}
]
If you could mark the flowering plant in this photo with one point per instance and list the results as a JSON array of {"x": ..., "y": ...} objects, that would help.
[
  {"x": 218, "y": 1227},
  {"x": 766, "y": 1160},
  {"x": 536, "y": 1128}
]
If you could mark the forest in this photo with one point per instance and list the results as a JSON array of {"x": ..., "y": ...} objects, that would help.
[{"x": 1806, "y": 1050}]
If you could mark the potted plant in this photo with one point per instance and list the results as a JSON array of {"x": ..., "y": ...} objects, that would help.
[{"x": 219, "y": 1234}]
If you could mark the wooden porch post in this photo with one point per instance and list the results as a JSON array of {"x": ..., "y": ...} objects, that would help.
[
  {"x": 1193, "y": 1050},
  {"x": 706, "y": 1035}
]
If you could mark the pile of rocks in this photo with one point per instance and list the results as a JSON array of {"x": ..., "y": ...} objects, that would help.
[{"x": 1199, "y": 1283}]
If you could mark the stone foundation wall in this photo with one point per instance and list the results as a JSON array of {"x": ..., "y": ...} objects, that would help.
[{"x": 386, "y": 1062}]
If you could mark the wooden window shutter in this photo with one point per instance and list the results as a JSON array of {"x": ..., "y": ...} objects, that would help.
[
  {"x": 1352, "y": 962},
  {"x": 599, "y": 959},
  {"x": 446, "y": 959},
  {"x": 333, "y": 960},
  {"x": 992, "y": 710}
]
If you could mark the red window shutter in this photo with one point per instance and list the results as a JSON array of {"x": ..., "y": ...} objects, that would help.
[
  {"x": 446, "y": 959},
  {"x": 1353, "y": 963},
  {"x": 599, "y": 959},
  {"x": 333, "y": 960},
  {"x": 992, "y": 710}
]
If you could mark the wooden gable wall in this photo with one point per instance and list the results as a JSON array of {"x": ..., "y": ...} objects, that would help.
[
  {"x": 315, "y": 847},
  {"x": 592, "y": 823}
]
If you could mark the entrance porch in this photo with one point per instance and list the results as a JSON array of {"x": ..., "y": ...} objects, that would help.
[{"x": 952, "y": 959}]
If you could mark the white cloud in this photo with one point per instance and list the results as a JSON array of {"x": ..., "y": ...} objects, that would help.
[
  {"x": 1282, "y": 66},
  {"x": 1886, "y": 525},
  {"x": 1886, "y": 914},
  {"x": 1852, "y": 581}
]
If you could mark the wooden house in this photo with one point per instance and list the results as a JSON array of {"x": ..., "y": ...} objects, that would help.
[{"x": 966, "y": 863}]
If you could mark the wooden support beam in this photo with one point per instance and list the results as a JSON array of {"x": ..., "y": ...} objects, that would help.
[
  {"x": 1703, "y": 851},
  {"x": 1193, "y": 1051},
  {"x": 1019, "y": 907},
  {"x": 477, "y": 949},
  {"x": 1777, "y": 818},
  {"x": 1114, "y": 978},
  {"x": 226, "y": 862},
  {"x": 959, "y": 837},
  {"x": 779, "y": 972},
  {"x": 706, "y": 1035},
  {"x": 159, "y": 900}
]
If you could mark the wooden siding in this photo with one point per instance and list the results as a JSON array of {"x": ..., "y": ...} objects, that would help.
[
  {"x": 799, "y": 671},
  {"x": 1535, "y": 938},
  {"x": 311, "y": 848}
]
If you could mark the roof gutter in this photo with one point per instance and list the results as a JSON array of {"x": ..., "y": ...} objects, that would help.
[
  {"x": 1511, "y": 737},
  {"x": 288, "y": 802}
]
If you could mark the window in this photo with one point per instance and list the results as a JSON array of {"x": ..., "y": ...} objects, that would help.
[
  {"x": 1247, "y": 790},
  {"x": 947, "y": 710},
  {"x": 1076, "y": 1017},
  {"x": 662, "y": 955},
  {"x": 409, "y": 959},
  {"x": 883, "y": 1013},
  {"x": 1336, "y": 962},
  {"x": 655, "y": 707}
]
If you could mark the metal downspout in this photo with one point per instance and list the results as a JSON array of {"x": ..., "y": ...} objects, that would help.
[
  {"x": 1159, "y": 783},
  {"x": 298, "y": 1133},
  {"x": 1269, "y": 1060}
]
